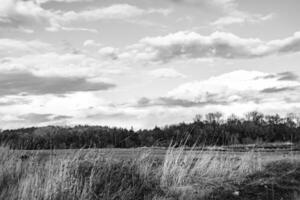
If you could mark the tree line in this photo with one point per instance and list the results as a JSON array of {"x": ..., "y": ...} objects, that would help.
[{"x": 210, "y": 129}]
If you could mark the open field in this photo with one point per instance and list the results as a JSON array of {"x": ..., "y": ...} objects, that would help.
[
  {"x": 159, "y": 153},
  {"x": 272, "y": 151},
  {"x": 148, "y": 173}
]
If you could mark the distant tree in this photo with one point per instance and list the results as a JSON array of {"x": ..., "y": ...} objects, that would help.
[
  {"x": 273, "y": 119},
  {"x": 292, "y": 119},
  {"x": 211, "y": 131},
  {"x": 213, "y": 117},
  {"x": 198, "y": 118},
  {"x": 255, "y": 116}
]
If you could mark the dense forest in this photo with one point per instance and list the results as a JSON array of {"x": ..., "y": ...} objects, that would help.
[{"x": 211, "y": 129}]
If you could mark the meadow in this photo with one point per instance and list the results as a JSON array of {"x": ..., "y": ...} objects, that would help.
[{"x": 148, "y": 173}]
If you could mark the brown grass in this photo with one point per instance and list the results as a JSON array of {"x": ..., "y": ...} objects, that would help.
[{"x": 86, "y": 175}]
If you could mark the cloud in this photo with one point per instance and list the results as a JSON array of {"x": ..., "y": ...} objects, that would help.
[
  {"x": 233, "y": 15},
  {"x": 229, "y": 10},
  {"x": 27, "y": 15},
  {"x": 109, "y": 52},
  {"x": 287, "y": 45},
  {"x": 222, "y": 5},
  {"x": 35, "y": 118},
  {"x": 276, "y": 90},
  {"x": 191, "y": 45},
  {"x": 25, "y": 83},
  {"x": 287, "y": 76},
  {"x": 241, "y": 18},
  {"x": 39, "y": 118},
  {"x": 61, "y": 117},
  {"x": 62, "y": 65},
  {"x": 83, "y": 107},
  {"x": 110, "y": 115},
  {"x": 166, "y": 73},
  {"x": 91, "y": 43},
  {"x": 12, "y": 47},
  {"x": 230, "y": 86},
  {"x": 116, "y": 11},
  {"x": 23, "y": 14},
  {"x": 57, "y": 27},
  {"x": 234, "y": 87},
  {"x": 63, "y": 1},
  {"x": 55, "y": 73},
  {"x": 172, "y": 102},
  {"x": 284, "y": 76},
  {"x": 13, "y": 100}
]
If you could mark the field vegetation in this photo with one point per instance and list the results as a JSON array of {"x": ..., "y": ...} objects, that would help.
[{"x": 180, "y": 174}]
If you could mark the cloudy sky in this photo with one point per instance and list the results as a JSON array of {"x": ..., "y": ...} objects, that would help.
[{"x": 143, "y": 63}]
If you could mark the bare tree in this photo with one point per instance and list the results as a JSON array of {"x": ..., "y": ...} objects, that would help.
[
  {"x": 197, "y": 118},
  {"x": 213, "y": 117},
  {"x": 255, "y": 116}
]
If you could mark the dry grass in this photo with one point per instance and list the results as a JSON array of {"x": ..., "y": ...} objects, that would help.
[
  {"x": 197, "y": 173},
  {"x": 80, "y": 176},
  {"x": 86, "y": 175}
]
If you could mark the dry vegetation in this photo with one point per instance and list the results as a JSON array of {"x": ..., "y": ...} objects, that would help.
[{"x": 86, "y": 175}]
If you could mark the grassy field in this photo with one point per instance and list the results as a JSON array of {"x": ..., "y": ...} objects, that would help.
[{"x": 148, "y": 173}]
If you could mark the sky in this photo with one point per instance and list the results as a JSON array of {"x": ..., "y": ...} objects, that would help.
[{"x": 146, "y": 63}]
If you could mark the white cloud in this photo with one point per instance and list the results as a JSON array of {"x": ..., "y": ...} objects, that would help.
[
  {"x": 166, "y": 73},
  {"x": 233, "y": 15},
  {"x": 63, "y": 1},
  {"x": 28, "y": 15},
  {"x": 23, "y": 14},
  {"x": 222, "y": 5},
  {"x": 236, "y": 86},
  {"x": 91, "y": 43},
  {"x": 57, "y": 27},
  {"x": 61, "y": 65},
  {"x": 191, "y": 45},
  {"x": 241, "y": 18},
  {"x": 75, "y": 105},
  {"x": 12, "y": 47},
  {"x": 118, "y": 11},
  {"x": 229, "y": 9},
  {"x": 115, "y": 11},
  {"x": 236, "y": 92},
  {"x": 109, "y": 52}
]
